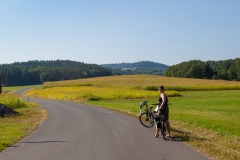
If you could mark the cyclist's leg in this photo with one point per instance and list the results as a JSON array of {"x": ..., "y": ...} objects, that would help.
[
  {"x": 166, "y": 114},
  {"x": 157, "y": 127},
  {"x": 163, "y": 129}
]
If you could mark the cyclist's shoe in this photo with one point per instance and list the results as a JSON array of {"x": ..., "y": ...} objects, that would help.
[{"x": 156, "y": 135}]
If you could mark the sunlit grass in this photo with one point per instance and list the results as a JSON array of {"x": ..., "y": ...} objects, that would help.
[
  {"x": 15, "y": 127},
  {"x": 12, "y": 101}
]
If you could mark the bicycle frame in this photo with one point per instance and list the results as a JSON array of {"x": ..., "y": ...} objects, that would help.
[{"x": 142, "y": 104}]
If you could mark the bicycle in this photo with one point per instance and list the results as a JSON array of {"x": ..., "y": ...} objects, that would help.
[{"x": 147, "y": 118}]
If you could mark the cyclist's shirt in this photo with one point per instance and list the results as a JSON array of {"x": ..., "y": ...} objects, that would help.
[
  {"x": 160, "y": 100},
  {"x": 165, "y": 110}
]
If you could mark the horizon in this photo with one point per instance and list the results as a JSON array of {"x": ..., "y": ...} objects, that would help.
[
  {"x": 104, "y": 32},
  {"x": 112, "y": 63}
]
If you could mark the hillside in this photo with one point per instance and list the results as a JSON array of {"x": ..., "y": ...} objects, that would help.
[{"x": 143, "y": 67}]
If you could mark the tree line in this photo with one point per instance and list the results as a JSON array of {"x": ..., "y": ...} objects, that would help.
[
  {"x": 224, "y": 69},
  {"x": 37, "y": 72}
]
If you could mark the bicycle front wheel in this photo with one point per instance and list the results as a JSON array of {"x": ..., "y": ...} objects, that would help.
[{"x": 146, "y": 120}]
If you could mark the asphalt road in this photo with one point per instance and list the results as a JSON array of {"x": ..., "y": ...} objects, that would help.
[{"x": 76, "y": 131}]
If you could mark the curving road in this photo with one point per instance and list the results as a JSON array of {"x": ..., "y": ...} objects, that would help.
[{"x": 75, "y": 131}]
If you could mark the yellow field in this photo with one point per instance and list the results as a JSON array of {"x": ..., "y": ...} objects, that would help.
[
  {"x": 147, "y": 80},
  {"x": 86, "y": 92},
  {"x": 125, "y": 87}
]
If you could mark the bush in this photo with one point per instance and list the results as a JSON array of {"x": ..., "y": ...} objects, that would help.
[
  {"x": 12, "y": 101},
  {"x": 151, "y": 88}
]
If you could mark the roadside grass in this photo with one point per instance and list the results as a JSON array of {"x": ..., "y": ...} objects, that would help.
[
  {"x": 14, "y": 128},
  {"x": 12, "y": 101}
]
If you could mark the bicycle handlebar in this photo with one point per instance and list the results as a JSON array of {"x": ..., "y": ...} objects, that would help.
[
  {"x": 159, "y": 103},
  {"x": 143, "y": 104}
]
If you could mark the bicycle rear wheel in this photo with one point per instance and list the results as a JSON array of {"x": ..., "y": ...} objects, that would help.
[
  {"x": 164, "y": 129},
  {"x": 146, "y": 120}
]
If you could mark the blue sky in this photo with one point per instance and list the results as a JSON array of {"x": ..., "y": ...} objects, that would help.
[{"x": 116, "y": 31}]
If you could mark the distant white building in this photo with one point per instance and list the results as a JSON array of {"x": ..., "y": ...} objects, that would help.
[{"x": 124, "y": 69}]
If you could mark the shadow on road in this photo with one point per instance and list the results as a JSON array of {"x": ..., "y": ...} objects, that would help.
[
  {"x": 40, "y": 142},
  {"x": 186, "y": 136},
  {"x": 44, "y": 142}
]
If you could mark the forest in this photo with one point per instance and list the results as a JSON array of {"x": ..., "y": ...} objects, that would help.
[
  {"x": 37, "y": 72},
  {"x": 224, "y": 69}
]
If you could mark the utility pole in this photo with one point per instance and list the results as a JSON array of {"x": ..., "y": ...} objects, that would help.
[{"x": 0, "y": 84}]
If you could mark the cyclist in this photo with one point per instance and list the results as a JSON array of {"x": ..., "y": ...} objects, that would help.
[{"x": 163, "y": 108}]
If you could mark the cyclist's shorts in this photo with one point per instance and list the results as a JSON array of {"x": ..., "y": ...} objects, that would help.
[
  {"x": 158, "y": 122},
  {"x": 165, "y": 112}
]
